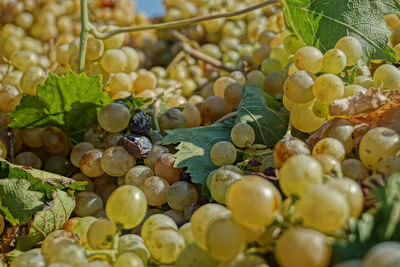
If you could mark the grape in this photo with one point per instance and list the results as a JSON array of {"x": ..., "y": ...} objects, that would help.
[
  {"x": 354, "y": 169},
  {"x": 127, "y": 206},
  {"x": 329, "y": 164},
  {"x": 137, "y": 175},
  {"x": 69, "y": 226},
  {"x": 156, "y": 152},
  {"x": 145, "y": 80},
  {"x": 287, "y": 147},
  {"x": 114, "y": 41},
  {"x": 242, "y": 195},
  {"x": 306, "y": 247},
  {"x": 280, "y": 53},
  {"x": 114, "y": 61},
  {"x": 100, "y": 233},
  {"x": 349, "y": 263},
  {"x": 114, "y": 117},
  {"x": 105, "y": 191},
  {"x": 116, "y": 161},
  {"x": 172, "y": 119},
  {"x": 164, "y": 168},
  {"x": 175, "y": 101},
  {"x": 244, "y": 260},
  {"x": 287, "y": 103},
  {"x": 28, "y": 259},
  {"x": 1, "y": 224},
  {"x": 135, "y": 244},
  {"x": 55, "y": 141},
  {"x": 298, "y": 87},
  {"x": 353, "y": 89},
  {"x": 59, "y": 165},
  {"x": 242, "y": 135},
  {"x": 342, "y": 131},
  {"x": 352, "y": 49},
  {"x": 12, "y": 78},
  {"x": 78, "y": 151},
  {"x": 60, "y": 264},
  {"x": 220, "y": 85},
  {"x": 186, "y": 231},
  {"x": 211, "y": 50},
  {"x": 120, "y": 82},
  {"x": 321, "y": 110},
  {"x": 67, "y": 252},
  {"x": 308, "y": 58},
  {"x": 271, "y": 65},
  {"x": 260, "y": 54},
  {"x": 214, "y": 107},
  {"x": 298, "y": 174},
  {"x": 328, "y": 87},
  {"x": 365, "y": 82},
  {"x": 31, "y": 78},
  {"x": 129, "y": 259},
  {"x": 233, "y": 94},
  {"x": 323, "y": 208},
  {"x": 195, "y": 99},
  {"x": 32, "y": 137},
  {"x": 94, "y": 48},
  {"x": 202, "y": 218},
  {"x": 377, "y": 144},
  {"x": 330, "y": 146},
  {"x": 180, "y": 195},
  {"x": 157, "y": 221},
  {"x": 9, "y": 98},
  {"x": 388, "y": 166},
  {"x": 256, "y": 78},
  {"x": 303, "y": 118},
  {"x": 387, "y": 76},
  {"x": 384, "y": 254},
  {"x": 223, "y": 153},
  {"x": 90, "y": 163},
  {"x": 28, "y": 159},
  {"x": 193, "y": 256},
  {"x": 24, "y": 20},
  {"x": 81, "y": 229},
  {"x": 87, "y": 203},
  {"x": 132, "y": 57},
  {"x": 23, "y": 59},
  {"x": 224, "y": 238},
  {"x": 352, "y": 192},
  {"x": 334, "y": 61},
  {"x": 176, "y": 215},
  {"x": 192, "y": 115},
  {"x": 155, "y": 189},
  {"x": 273, "y": 83},
  {"x": 112, "y": 140}
]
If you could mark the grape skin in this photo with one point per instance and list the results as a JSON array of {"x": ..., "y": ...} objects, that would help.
[
  {"x": 384, "y": 254},
  {"x": 308, "y": 58},
  {"x": 334, "y": 61},
  {"x": 221, "y": 179},
  {"x": 223, "y": 153},
  {"x": 387, "y": 76},
  {"x": 304, "y": 119},
  {"x": 330, "y": 146},
  {"x": 298, "y": 87},
  {"x": 328, "y": 87},
  {"x": 352, "y": 49},
  {"x": 242, "y": 135}
]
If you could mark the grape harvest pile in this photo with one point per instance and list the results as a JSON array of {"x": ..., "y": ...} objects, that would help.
[{"x": 226, "y": 133}]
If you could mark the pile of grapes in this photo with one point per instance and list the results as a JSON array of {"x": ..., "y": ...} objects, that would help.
[{"x": 261, "y": 206}]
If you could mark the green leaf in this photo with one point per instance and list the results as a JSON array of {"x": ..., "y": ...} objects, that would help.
[
  {"x": 17, "y": 202},
  {"x": 259, "y": 110},
  {"x": 49, "y": 219},
  {"x": 70, "y": 102},
  {"x": 195, "y": 146},
  {"x": 322, "y": 23}
]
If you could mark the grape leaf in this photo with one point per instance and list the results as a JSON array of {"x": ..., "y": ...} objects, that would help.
[
  {"x": 259, "y": 110},
  {"x": 47, "y": 220},
  {"x": 322, "y": 23},
  {"x": 70, "y": 102}
]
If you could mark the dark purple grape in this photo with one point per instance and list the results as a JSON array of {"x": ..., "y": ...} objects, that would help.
[
  {"x": 136, "y": 145},
  {"x": 140, "y": 123}
]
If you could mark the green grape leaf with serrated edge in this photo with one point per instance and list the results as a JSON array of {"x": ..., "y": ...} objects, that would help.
[
  {"x": 322, "y": 23},
  {"x": 70, "y": 102}
]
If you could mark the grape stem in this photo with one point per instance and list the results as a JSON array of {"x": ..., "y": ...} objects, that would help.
[
  {"x": 85, "y": 28},
  {"x": 227, "y": 116}
]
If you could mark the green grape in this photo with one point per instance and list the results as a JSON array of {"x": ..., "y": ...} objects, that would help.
[
  {"x": 155, "y": 222},
  {"x": 105, "y": 191},
  {"x": 28, "y": 159},
  {"x": 334, "y": 61},
  {"x": 193, "y": 256},
  {"x": 90, "y": 163},
  {"x": 364, "y": 81},
  {"x": 303, "y": 118},
  {"x": 323, "y": 208},
  {"x": 145, "y": 80},
  {"x": 114, "y": 41},
  {"x": 120, "y": 82},
  {"x": 321, "y": 110},
  {"x": 241, "y": 196},
  {"x": 349, "y": 263},
  {"x": 308, "y": 58},
  {"x": 280, "y": 53},
  {"x": 59, "y": 165},
  {"x": 353, "y": 89},
  {"x": 173, "y": 101},
  {"x": 67, "y": 252},
  {"x": 298, "y": 174},
  {"x": 273, "y": 83},
  {"x": 155, "y": 189},
  {"x": 116, "y": 161},
  {"x": 27, "y": 259},
  {"x": 377, "y": 144},
  {"x": 112, "y": 139},
  {"x": 387, "y": 76},
  {"x": 223, "y": 153},
  {"x": 384, "y": 254},
  {"x": 255, "y": 78},
  {"x": 224, "y": 238},
  {"x": 176, "y": 215},
  {"x": 287, "y": 103},
  {"x": 292, "y": 44},
  {"x": 342, "y": 131},
  {"x": 233, "y": 94},
  {"x": 352, "y": 49},
  {"x": 213, "y": 26},
  {"x": 214, "y": 107},
  {"x": 114, "y": 61},
  {"x": 329, "y": 164},
  {"x": 298, "y": 87},
  {"x": 211, "y": 50},
  {"x": 9, "y": 98},
  {"x": 287, "y": 147},
  {"x": 353, "y": 193},
  {"x": 100, "y": 234},
  {"x": 78, "y": 151},
  {"x": 306, "y": 247},
  {"x": 114, "y": 117},
  {"x": 80, "y": 230},
  {"x": 24, "y": 59},
  {"x": 60, "y": 264},
  {"x": 222, "y": 179},
  {"x": 188, "y": 87},
  {"x": 135, "y": 244},
  {"x": 388, "y": 166},
  {"x": 270, "y": 65},
  {"x": 239, "y": 77},
  {"x": 172, "y": 119},
  {"x": 242, "y": 135},
  {"x": 195, "y": 99},
  {"x": 220, "y": 85},
  {"x": 354, "y": 169},
  {"x": 202, "y": 218},
  {"x": 127, "y": 206},
  {"x": 12, "y": 78},
  {"x": 94, "y": 48},
  {"x": 137, "y": 175},
  {"x": 155, "y": 153},
  {"x": 165, "y": 244},
  {"x": 132, "y": 57},
  {"x": 330, "y": 146},
  {"x": 24, "y": 20},
  {"x": 181, "y": 194},
  {"x": 31, "y": 78},
  {"x": 129, "y": 259},
  {"x": 87, "y": 203},
  {"x": 192, "y": 115},
  {"x": 328, "y": 87},
  {"x": 186, "y": 231},
  {"x": 260, "y": 53},
  {"x": 244, "y": 260}
]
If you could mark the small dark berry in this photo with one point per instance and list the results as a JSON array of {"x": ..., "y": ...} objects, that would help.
[
  {"x": 140, "y": 123},
  {"x": 136, "y": 145}
]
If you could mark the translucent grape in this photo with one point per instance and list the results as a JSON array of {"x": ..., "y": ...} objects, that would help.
[
  {"x": 180, "y": 195},
  {"x": 353, "y": 89},
  {"x": 9, "y": 98},
  {"x": 27, "y": 259},
  {"x": 334, "y": 61},
  {"x": 129, "y": 259},
  {"x": 78, "y": 151},
  {"x": 298, "y": 87},
  {"x": 329, "y": 164},
  {"x": 137, "y": 175},
  {"x": 120, "y": 82},
  {"x": 114, "y": 117},
  {"x": 28, "y": 159},
  {"x": 145, "y": 80},
  {"x": 132, "y": 57},
  {"x": 193, "y": 256},
  {"x": 116, "y": 161},
  {"x": 304, "y": 119},
  {"x": 342, "y": 131},
  {"x": 94, "y": 48},
  {"x": 352, "y": 49},
  {"x": 330, "y": 146},
  {"x": 287, "y": 103},
  {"x": 233, "y": 93},
  {"x": 155, "y": 153},
  {"x": 270, "y": 65},
  {"x": 273, "y": 83},
  {"x": 354, "y": 169},
  {"x": 255, "y": 78},
  {"x": 155, "y": 189},
  {"x": 155, "y": 222},
  {"x": 223, "y": 153},
  {"x": 24, "y": 59},
  {"x": 308, "y": 58},
  {"x": 172, "y": 119},
  {"x": 242, "y": 135},
  {"x": 90, "y": 163},
  {"x": 384, "y": 254},
  {"x": 287, "y": 147},
  {"x": 31, "y": 78},
  {"x": 165, "y": 168},
  {"x": 186, "y": 231},
  {"x": 221, "y": 180},
  {"x": 328, "y": 87},
  {"x": 87, "y": 203},
  {"x": 388, "y": 166},
  {"x": 387, "y": 76},
  {"x": 135, "y": 244},
  {"x": 100, "y": 234},
  {"x": 114, "y": 61},
  {"x": 214, "y": 107},
  {"x": 321, "y": 110},
  {"x": 192, "y": 115}
]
